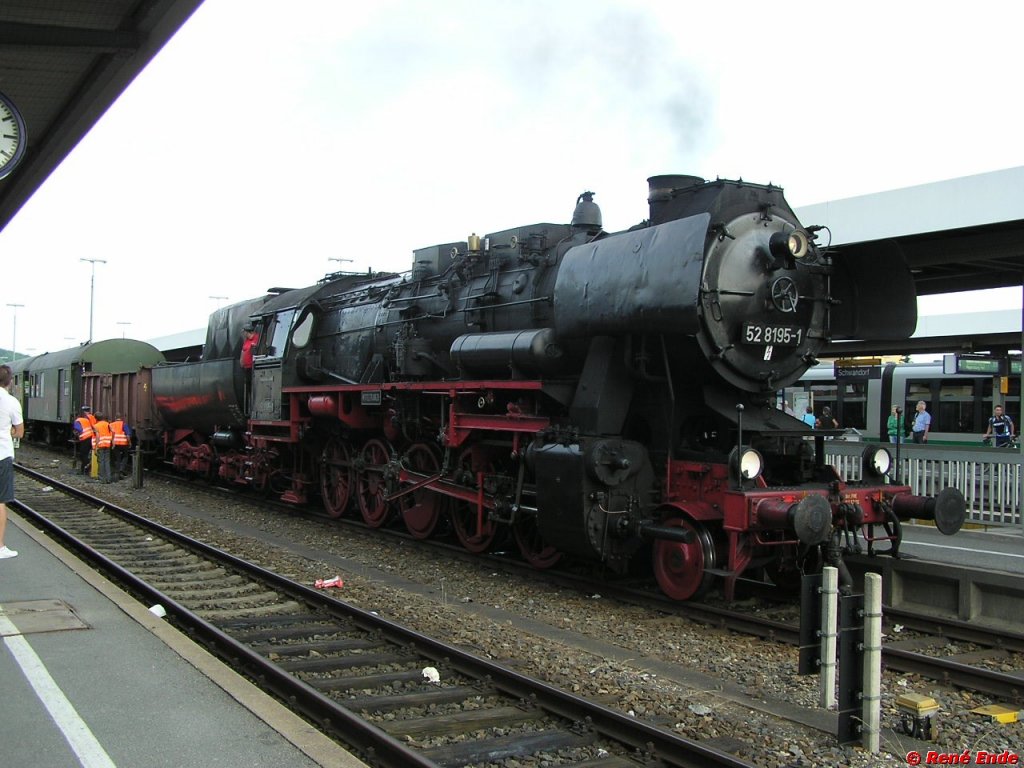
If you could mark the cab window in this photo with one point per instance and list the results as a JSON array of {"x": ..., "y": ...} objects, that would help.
[
  {"x": 304, "y": 328},
  {"x": 274, "y": 339}
]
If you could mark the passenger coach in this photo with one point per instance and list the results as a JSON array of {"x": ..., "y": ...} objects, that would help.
[{"x": 53, "y": 387}]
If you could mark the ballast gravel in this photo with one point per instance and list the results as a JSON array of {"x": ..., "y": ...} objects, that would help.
[{"x": 736, "y": 693}]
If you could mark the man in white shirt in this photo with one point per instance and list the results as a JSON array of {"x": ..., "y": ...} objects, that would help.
[{"x": 11, "y": 426}]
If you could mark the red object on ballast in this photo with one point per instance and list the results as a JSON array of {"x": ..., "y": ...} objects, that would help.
[{"x": 327, "y": 583}]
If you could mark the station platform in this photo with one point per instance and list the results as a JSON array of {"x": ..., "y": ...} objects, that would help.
[
  {"x": 89, "y": 677},
  {"x": 996, "y": 548}
]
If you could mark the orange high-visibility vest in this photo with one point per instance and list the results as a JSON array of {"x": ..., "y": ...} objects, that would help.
[
  {"x": 120, "y": 438},
  {"x": 87, "y": 431},
  {"x": 103, "y": 437}
]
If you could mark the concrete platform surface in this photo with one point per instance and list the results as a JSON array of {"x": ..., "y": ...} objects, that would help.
[{"x": 89, "y": 677}]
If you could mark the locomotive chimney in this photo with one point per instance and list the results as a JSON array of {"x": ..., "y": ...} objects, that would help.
[
  {"x": 587, "y": 214},
  {"x": 661, "y": 188}
]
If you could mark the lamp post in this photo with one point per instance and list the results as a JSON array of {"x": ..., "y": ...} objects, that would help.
[
  {"x": 92, "y": 288},
  {"x": 14, "y": 336},
  {"x": 123, "y": 323},
  {"x": 340, "y": 261},
  {"x": 219, "y": 299}
]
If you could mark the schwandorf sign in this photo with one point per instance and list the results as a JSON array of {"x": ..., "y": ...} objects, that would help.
[{"x": 858, "y": 372}]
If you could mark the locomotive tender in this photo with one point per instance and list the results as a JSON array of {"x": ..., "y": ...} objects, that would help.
[{"x": 606, "y": 396}]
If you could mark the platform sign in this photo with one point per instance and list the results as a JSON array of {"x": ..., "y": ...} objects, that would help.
[
  {"x": 858, "y": 368},
  {"x": 985, "y": 365},
  {"x": 859, "y": 374}
]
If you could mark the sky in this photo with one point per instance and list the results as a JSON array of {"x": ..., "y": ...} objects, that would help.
[{"x": 266, "y": 138}]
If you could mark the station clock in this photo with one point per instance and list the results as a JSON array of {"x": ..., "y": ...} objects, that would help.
[{"x": 13, "y": 136}]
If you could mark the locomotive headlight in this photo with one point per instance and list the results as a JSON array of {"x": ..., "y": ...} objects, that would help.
[
  {"x": 877, "y": 461},
  {"x": 799, "y": 243},
  {"x": 795, "y": 244},
  {"x": 746, "y": 463}
]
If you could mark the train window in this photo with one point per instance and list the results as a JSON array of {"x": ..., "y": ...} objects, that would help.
[
  {"x": 278, "y": 329},
  {"x": 853, "y": 408},
  {"x": 823, "y": 394},
  {"x": 304, "y": 328},
  {"x": 956, "y": 410},
  {"x": 918, "y": 389}
]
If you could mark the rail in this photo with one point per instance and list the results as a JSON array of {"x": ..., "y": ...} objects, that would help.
[{"x": 989, "y": 478}]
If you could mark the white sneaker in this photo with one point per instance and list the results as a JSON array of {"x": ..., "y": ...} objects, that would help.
[{"x": 6, "y": 552}]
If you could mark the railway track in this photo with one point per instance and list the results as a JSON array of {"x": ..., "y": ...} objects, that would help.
[
  {"x": 987, "y": 659},
  {"x": 395, "y": 696}
]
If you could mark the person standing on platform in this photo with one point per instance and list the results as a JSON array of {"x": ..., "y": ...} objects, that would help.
[
  {"x": 922, "y": 423},
  {"x": 102, "y": 442},
  {"x": 827, "y": 421},
  {"x": 83, "y": 429},
  {"x": 122, "y": 435},
  {"x": 893, "y": 426},
  {"x": 1001, "y": 426},
  {"x": 12, "y": 426},
  {"x": 808, "y": 417}
]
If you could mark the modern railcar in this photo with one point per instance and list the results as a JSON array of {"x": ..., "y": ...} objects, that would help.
[{"x": 960, "y": 404}]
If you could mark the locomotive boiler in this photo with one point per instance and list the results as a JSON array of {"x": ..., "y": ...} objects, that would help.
[{"x": 606, "y": 396}]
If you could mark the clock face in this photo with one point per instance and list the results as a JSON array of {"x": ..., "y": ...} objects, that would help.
[{"x": 12, "y": 136}]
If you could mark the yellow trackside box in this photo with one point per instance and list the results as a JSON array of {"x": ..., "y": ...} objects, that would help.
[
  {"x": 917, "y": 704},
  {"x": 998, "y": 713}
]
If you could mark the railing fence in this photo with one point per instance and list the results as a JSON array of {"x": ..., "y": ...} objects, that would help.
[{"x": 990, "y": 480}]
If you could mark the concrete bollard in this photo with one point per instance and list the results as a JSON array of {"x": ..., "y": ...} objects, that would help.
[
  {"x": 871, "y": 713},
  {"x": 829, "y": 613}
]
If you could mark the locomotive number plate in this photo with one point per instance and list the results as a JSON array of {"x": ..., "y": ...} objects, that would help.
[{"x": 778, "y": 335}]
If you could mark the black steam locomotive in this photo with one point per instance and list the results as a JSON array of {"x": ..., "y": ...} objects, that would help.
[{"x": 585, "y": 393}]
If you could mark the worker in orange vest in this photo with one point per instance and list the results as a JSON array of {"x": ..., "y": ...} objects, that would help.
[
  {"x": 102, "y": 442},
  {"x": 83, "y": 429},
  {"x": 122, "y": 444}
]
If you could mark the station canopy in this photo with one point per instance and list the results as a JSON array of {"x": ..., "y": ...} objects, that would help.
[{"x": 63, "y": 63}]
